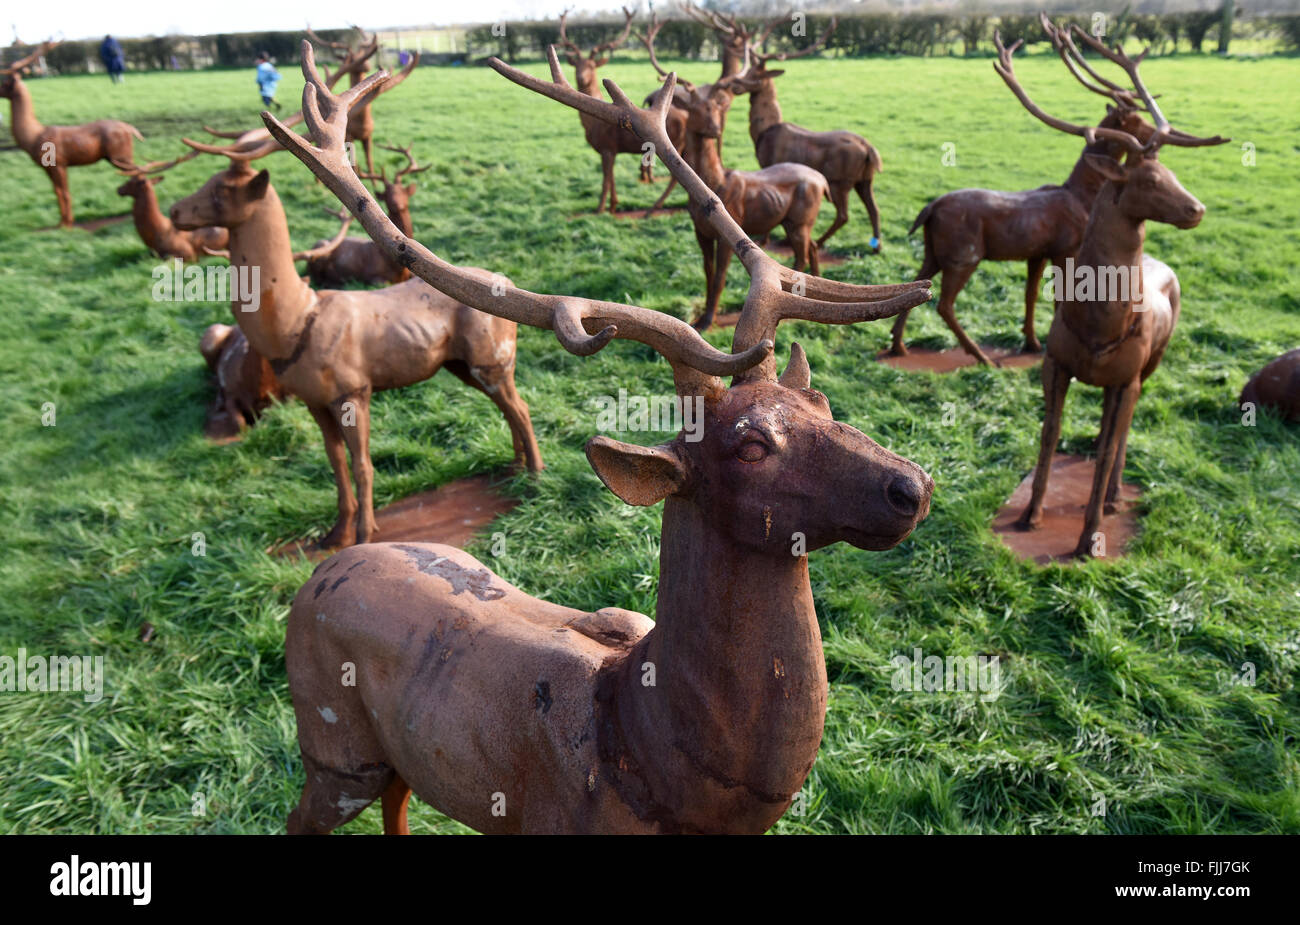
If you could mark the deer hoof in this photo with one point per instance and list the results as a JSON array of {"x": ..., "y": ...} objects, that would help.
[{"x": 1026, "y": 523}]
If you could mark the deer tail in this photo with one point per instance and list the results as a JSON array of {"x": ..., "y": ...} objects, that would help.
[
  {"x": 873, "y": 158},
  {"x": 135, "y": 131},
  {"x": 922, "y": 218}
]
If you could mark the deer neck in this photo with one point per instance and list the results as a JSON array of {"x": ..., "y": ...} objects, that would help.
[
  {"x": 764, "y": 110},
  {"x": 402, "y": 219},
  {"x": 1111, "y": 239},
  {"x": 22, "y": 118},
  {"x": 149, "y": 220},
  {"x": 705, "y": 158},
  {"x": 736, "y": 711},
  {"x": 262, "y": 242}
]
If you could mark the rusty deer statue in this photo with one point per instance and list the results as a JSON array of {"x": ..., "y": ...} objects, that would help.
[
  {"x": 676, "y": 120},
  {"x": 967, "y": 226},
  {"x": 848, "y": 161},
  {"x": 361, "y": 259},
  {"x": 514, "y": 714},
  {"x": 1113, "y": 332},
  {"x": 607, "y": 140},
  {"x": 55, "y": 148},
  {"x": 334, "y": 349},
  {"x": 788, "y": 195},
  {"x": 156, "y": 229},
  {"x": 1276, "y": 386}
]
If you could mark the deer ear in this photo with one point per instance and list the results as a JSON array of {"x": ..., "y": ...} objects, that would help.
[
  {"x": 640, "y": 475},
  {"x": 776, "y": 73},
  {"x": 410, "y": 189},
  {"x": 1108, "y": 167},
  {"x": 258, "y": 186},
  {"x": 797, "y": 374}
]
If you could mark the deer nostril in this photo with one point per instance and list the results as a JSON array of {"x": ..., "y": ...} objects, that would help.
[{"x": 904, "y": 495}]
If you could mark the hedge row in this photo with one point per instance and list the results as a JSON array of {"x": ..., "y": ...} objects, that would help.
[{"x": 857, "y": 35}]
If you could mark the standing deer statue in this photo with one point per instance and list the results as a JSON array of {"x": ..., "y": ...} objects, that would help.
[
  {"x": 334, "y": 349},
  {"x": 55, "y": 148},
  {"x": 848, "y": 161},
  {"x": 607, "y": 140},
  {"x": 967, "y": 226},
  {"x": 1114, "y": 334},
  {"x": 513, "y": 714},
  {"x": 788, "y": 195},
  {"x": 361, "y": 259},
  {"x": 156, "y": 229}
]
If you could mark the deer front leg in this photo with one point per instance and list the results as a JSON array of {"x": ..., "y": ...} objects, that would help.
[
  {"x": 369, "y": 144},
  {"x": 59, "y": 177},
  {"x": 353, "y": 415},
  {"x": 1117, "y": 416},
  {"x": 659, "y": 203},
  {"x": 394, "y": 802},
  {"x": 607, "y": 181},
  {"x": 1117, "y": 474},
  {"x": 1056, "y": 382},
  {"x": 341, "y": 534},
  {"x": 721, "y": 258},
  {"x": 707, "y": 247},
  {"x": 1034, "y": 277}
]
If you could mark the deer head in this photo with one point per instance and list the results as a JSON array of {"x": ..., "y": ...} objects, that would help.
[
  {"x": 586, "y": 65},
  {"x": 772, "y": 460},
  {"x": 1142, "y": 187},
  {"x": 396, "y": 197},
  {"x": 227, "y": 200}
]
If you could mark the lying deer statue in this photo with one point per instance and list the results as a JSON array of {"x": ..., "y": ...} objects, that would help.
[
  {"x": 967, "y": 226},
  {"x": 607, "y": 140},
  {"x": 55, "y": 148},
  {"x": 361, "y": 259},
  {"x": 1115, "y": 334},
  {"x": 1277, "y": 386},
  {"x": 848, "y": 161},
  {"x": 245, "y": 383},
  {"x": 333, "y": 349},
  {"x": 156, "y": 229},
  {"x": 513, "y": 714}
]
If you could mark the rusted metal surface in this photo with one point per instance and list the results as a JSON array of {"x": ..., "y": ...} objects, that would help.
[
  {"x": 1277, "y": 386},
  {"x": 514, "y": 714},
  {"x": 246, "y": 386},
  {"x": 1111, "y": 336}
]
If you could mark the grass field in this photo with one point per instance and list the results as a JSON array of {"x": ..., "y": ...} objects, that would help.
[{"x": 1118, "y": 675}]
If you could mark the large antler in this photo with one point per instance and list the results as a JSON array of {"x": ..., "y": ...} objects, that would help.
[
  {"x": 345, "y": 222},
  {"x": 582, "y": 326},
  {"x": 1091, "y": 133},
  {"x": 776, "y": 293},
  {"x": 648, "y": 40},
  {"x": 411, "y": 167},
  {"x": 156, "y": 167},
  {"x": 1165, "y": 133},
  {"x": 788, "y": 55},
  {"x": 24, "y": 63}
]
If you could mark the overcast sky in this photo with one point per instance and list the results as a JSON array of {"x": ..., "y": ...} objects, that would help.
[{"x": 81, "y": 19}]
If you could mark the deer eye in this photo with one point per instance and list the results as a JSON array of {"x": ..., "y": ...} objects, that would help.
[{"x": 752, "y": 451}]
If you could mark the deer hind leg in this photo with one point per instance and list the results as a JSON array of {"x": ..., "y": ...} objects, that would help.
[
  {"x": 498, "y": 384},
  {"x": 395, "y": 799},
  {"x": 606, "y": 182},
  {"x": 954, "y": 279},
  {"x": 839, "y": 199},
  {"x": 716, "y": 283},
  {"x": 353, "y": 415},
  {"x": 1034, "y": 277},
  {"x": 342, "y": 533},
  {"x": 929, "y": 267},
  {"x": 1056, "y": 383},
  {"x": 867, "y": 193},
  {"x": 1116, "y": 484},
  {"x": 659, "y": 203},
  {"x": 707, "y": 247},
  {"x": 332, "y": 796},
  {"x": 369, "y": 144},
  {"x": 1117, "y": 415}
]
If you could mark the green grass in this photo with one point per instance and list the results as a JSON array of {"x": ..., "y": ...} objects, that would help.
[{"x": 1117, "y": 674}]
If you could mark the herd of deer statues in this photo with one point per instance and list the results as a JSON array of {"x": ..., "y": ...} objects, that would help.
[{"x": 514, "y": 714}]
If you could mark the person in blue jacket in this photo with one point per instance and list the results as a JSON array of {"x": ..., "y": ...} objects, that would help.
[
  {"x": 110, "y": 52},
  {"x": 267, "y": 78}
]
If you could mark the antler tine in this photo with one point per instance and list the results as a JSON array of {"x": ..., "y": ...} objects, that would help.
[
  {"x": 775, "y": 292},
  {"x": 411, "y": 167},
  {"x": 1164, "y": 133},
  {"x": 619, "y": 39},
  {"x": 1077, "y": 64},
  {"x": 788, "y": 55},
  {"x": 582, "y": 326},
  {"x": 243, "y": 153},
  {"x": 396, "y": 79},
  {"x": 156, "y": 167},
  {"x": 25, "y": 62},
  {"x": 341, "y": 49},
  {"x": 345, "y": 220},
  {"x": 1090, "y": 133},
  {"x": 564, "y": 38},
  {"x": 648, "y": 40}
]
